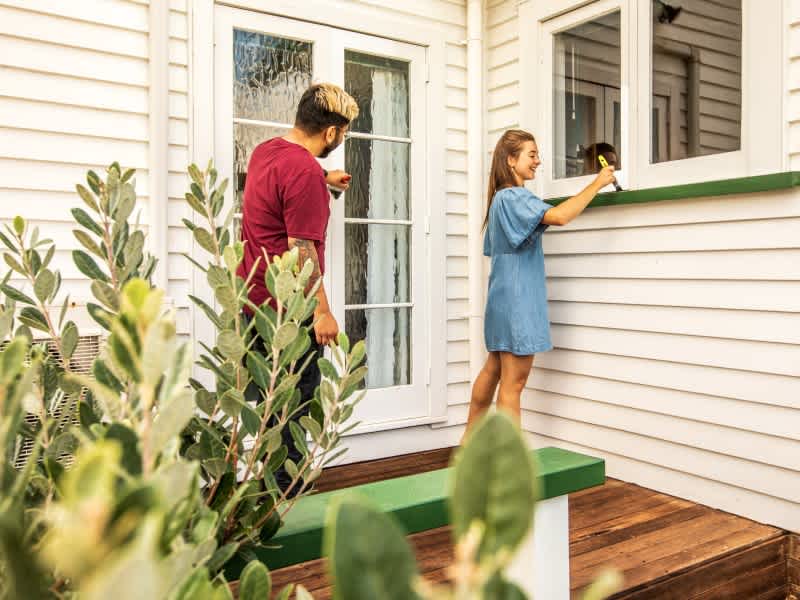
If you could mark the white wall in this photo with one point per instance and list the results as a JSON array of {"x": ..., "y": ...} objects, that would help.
[
  {"x": 73, "y": 97},
  {"x": 676, "y": 329}
]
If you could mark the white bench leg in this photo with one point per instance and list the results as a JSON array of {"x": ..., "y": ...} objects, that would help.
[{"x": 541, "y": 566}]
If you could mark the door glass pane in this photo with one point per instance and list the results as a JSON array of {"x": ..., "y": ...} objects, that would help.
[
  {"x": 377, "y": 264},
  {"x": 586, "y": 70},
  {"x": 245, "y": 139},
  {"x": 379, "y": 188},
  {"x": 387, "y": 333},
  {"x": 270, "y": 75},
  {"x": 697, "y": 65},
  {"x": 380, "y": 87}
]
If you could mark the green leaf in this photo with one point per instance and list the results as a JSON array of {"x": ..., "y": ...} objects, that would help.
[
  {"x": 209, "y": 312},
  {"x": 312, "y": 427},
  {"x": 87, "y": 266},
  {"x": 87, "y": 242},
  {"x": 4, "y": 238},
  {"x": 100, "y": 316},
  {"x": 285, "y": 335},
  {"x": 196, "y": 585},
  {"x": 195, "y": 174},
  {"x": 257, "y": 367},
  {"x": 358, "y": 353},
  {"x": 255, "y": 582},
  {"x": 222, "y": 556},
  {"x": 195, "y": 203},
  {"x": 94, "y": 181},
  {"x": 12, "y": 358},
  {"x": 204, "y": 238},
  {"x": 172, "y": 419},
  {"x": 205, "y": 400},
  {"x": 368, "y": 554},
  {"x": 302, "y": 593},
  {"x": 499, "y": 588},
  {"x": 69, "y": 340},
  {"x": 226, "y": 298},
  {"x": 285, "y": 592},
  {"x": 44, "y": 285},
  {"x": 127, "y": 202},
  {"x": 230, "y": 345},
  {"x": 83, "y": 218},
  {"x": 327, "y": 370},
  {"x": 33, "y": 317},
  {"x": 217, "y": 276},
  {"x": 494, "y": 483},
  {"x": 15, "y": 294},
  {"x": 13, "y": 264},
  {"x": 19, "y": 225},
  {"x": 231, "y": 260},
  {"x": 299, "y": 437},
  {"x": 284, "y": 286},
  {"x": 87, "y": 197},
  {"x": 128, "y": 440},
  {"x": 105, "y": 294},
  {"x": 343, "y": 342},
  {"x": 231, "y": 402}
]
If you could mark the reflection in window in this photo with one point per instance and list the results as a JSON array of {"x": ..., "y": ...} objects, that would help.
[
  {"x": 697, "y": 79},
  {"x": 587, "y": 96}
]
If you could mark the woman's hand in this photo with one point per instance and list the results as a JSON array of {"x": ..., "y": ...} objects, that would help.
[
  {"x": 605, "y": 177},
  {"x": 339, "y": 179}
]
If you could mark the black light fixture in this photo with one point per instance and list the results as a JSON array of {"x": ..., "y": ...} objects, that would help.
[{"x": 668, "y": 12}]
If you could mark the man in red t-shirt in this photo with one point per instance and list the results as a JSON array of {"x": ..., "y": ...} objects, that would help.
[{"x": 287, "y": 205}]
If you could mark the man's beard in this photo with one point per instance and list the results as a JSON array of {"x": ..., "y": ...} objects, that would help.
[{"x": 330, "y": 148}]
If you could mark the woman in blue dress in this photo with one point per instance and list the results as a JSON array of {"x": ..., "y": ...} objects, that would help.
[{"x": 516, "y": 325}]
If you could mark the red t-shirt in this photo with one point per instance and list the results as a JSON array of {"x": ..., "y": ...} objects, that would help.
[{"x": 285, "y": 196}]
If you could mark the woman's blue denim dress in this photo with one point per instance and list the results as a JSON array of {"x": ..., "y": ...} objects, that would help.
[{"x": 516, "y": 318}]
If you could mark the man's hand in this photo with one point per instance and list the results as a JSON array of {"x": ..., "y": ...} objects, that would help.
[
  {"x": 339, "y": 179},
  {"x": 326, "y": 328}
]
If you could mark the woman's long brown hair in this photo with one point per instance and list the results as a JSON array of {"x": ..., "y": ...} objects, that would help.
[{"x": 501, "y": 176}]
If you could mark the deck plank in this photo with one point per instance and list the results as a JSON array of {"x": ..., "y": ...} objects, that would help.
[{"x": 667, "y": 548}]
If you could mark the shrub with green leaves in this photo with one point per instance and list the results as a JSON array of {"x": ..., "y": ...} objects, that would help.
[
  {"x": 238, "y": 443},
  {"x": 137, "y": 468}
]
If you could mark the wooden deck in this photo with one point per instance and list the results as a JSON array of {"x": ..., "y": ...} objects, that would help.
[{"x": 665, "y": 547}]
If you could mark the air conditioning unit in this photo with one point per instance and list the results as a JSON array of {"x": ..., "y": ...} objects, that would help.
[{"x": 90, "y": 340}]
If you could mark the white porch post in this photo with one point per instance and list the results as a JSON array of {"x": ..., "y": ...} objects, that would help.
[
  {"x": 475, "y": 182},
  {"x": 157, "y": 164},
  {"x": 541, "y": 566}
]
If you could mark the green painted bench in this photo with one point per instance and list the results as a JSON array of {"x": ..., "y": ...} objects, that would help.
[{"x": 419, "y": 502}]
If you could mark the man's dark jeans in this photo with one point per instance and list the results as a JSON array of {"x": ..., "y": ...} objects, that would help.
[{"x": 309, "y": 381}]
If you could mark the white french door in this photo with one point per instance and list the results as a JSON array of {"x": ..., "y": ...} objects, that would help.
[{"x": 377, "y": 244}]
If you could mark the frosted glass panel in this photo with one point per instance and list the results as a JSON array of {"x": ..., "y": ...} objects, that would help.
[
  {"x": 245, "y": 139},
  {"x": 376, "y": 263},
  {"x": 270, "y": 75},
  {"x": 380, "y": 87},
  {"x": 379, "y": 189},
  {"x": 388, "y": 338}
]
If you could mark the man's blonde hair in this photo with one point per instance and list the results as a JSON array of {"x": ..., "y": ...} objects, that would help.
[{"x": 325, "y": 105}]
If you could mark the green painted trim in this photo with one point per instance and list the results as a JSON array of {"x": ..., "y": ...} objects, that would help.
[
  {"x": 723, "y": 187},
  {"x": 419, "y": 502}
]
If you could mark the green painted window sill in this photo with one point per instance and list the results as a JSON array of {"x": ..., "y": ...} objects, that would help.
[{"x": 723, "y": 187}]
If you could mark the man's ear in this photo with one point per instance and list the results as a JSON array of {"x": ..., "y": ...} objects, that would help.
[{"x": 330, "y": 134}]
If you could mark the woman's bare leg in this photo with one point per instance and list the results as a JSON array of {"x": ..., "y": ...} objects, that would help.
[
  {"x": 483, "y": 390},
  {"x": 514, "y": 371}
]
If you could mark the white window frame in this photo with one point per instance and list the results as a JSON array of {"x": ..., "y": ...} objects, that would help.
[
  {"x": 202, "y": 146},
  {"x": 542, "y": 120},
  {"x": 762, "y": 148}
]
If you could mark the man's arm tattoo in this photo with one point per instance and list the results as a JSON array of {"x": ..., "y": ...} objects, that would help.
[{"x": 307, "y": 251}]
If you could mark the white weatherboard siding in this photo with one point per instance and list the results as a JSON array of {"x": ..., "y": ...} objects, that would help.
[
  {"x": 676, "y": 328},
  {"x": 73, "y": 97}
]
